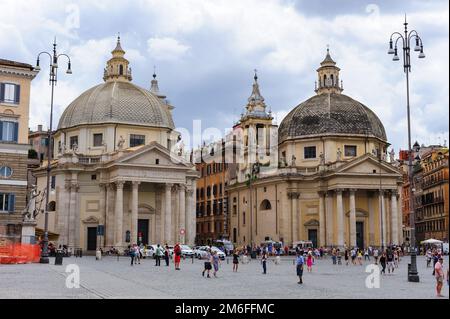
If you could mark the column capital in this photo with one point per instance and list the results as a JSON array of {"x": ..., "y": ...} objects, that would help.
[
  {"x": 394, "y": 192},
  {"x": 189, "y": 191},
  {"x": 74, "y": 186},
  {"x": 102, "y": 186},
  {"x": 321, "y": 193},
  {"x": 339, "y": 191},
  {"x": 168, "y": 186},
  {"x": 135, "y": 183},
  {"x": 182, "y": 187},
  {"x": 293, "y": 195},
  {"x": 110, "y": 186},
  {"x": 328, "y": 193},
  {"x": 120, "y": 184},
  {"x": 352, "y": 191},
  {"x": 67, "y": 185}
]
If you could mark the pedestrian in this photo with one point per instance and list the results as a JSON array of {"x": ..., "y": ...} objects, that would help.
[
  {"x": 158, "y": 255},
  {"x": 177, "y": 256},
  {"x": 435, "y": 260},
  {"x": 396, "y": 258},
  {"x": 309, "y": 261},
  {"x": 359, "y": 256},
  {"x": 353, "y": 255},
  {"x": 167, "y": 255},
  {"x": 333, "y": 256},
  {"x": 339, "y": 256},
  {"x": 235, "y": 260},
  {"x": 137, "y": 254},
  {"x": 366, "y": 254},
  {"x": 208, "y": 264},
  {"x": 429, "y": 257},
  {"x": 264, "y": 261},
  {"x": 390, "y": 261},
  {"x": 439, "y": 274},
  {"x": 346, "y": 257},
  {"x": 375, "y": 256},
  {"x": 215, "y": 262},
  {"x": 131, "y": 254},
  {"x": 299, "y": 262},
  {"x": 383, "y": 263}
]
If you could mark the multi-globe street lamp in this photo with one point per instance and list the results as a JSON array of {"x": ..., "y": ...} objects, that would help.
[
  {"x": 393, "y": 49},
  {"x": 53, "y": 78}
]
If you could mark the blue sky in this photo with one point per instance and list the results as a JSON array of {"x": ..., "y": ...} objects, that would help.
[{"x": 205, "y": 53}]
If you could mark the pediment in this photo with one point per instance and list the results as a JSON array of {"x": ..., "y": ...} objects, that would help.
[
  {"x": 311, "y": 222},
  {"x": 91, "y": 220},
  {"x": 367, "y": 164},
  {"x": 153, "y": 154}
]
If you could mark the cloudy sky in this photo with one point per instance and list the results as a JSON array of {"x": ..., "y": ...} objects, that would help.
[{"x": 205, "y": 52}]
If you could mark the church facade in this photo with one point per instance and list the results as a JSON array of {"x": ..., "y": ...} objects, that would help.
[
  {"x": 324, "y": 178},
  {"x": 115, "y": 178}
]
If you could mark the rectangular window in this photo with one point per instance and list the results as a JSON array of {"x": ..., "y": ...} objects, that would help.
[
  {"x": 9, "y": 131},
  {"x": 53, "y": 182},
  {"x": 309, "y": 152},
  {"x": 136, "y": 140},
  {"x": 73, "y": 141},
  {"x": 98, "y": 139},
  {"x": 7, "y": 202},
  {"x": 350, "y": 150},
  {"x": 9, "y": 93}
]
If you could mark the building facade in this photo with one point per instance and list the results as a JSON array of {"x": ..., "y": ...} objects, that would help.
[
  {"x": 38, "y": 141},
  {"x": 15, "y": 82},
  {"x": 432, "y": 195},
  {"x": 116, "y": 179},
  {"x": 211, "y": 194},
  {"x": 322, "y": 176}
]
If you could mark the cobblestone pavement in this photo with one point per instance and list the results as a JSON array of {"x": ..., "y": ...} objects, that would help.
[{"x": 112, "y": 278}]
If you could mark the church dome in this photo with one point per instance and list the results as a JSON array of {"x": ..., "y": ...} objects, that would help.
[
  {"x": 333, "y": 114},
  {"x": 117, "y": 102},
  {"x": 330, "y": 112}
]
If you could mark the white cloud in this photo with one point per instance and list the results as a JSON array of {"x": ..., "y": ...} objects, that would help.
[{"x": 168, "y": 49}]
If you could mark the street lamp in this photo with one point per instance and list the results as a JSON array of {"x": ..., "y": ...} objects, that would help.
[
  {"x": 53, "y": 78},
  {"x": 406, "y": 41}
]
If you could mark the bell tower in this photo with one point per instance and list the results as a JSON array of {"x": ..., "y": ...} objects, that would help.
[
  {"x": 328, "y": 76},
  {"x": 117, "y": 67}
]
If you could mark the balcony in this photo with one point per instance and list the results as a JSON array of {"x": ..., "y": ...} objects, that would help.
[{"x": 89, "y": 160}]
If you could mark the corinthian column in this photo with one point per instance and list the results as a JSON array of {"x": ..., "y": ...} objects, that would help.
[
  {"x": 329, "y": 214},
  {"x": 110, "y": 227},
  {"x": 293, "y": 196},
  {"x": 383, "y": 219},
  {"x": 119, "y": 214},
  {"x": 321, "y": 219},
  {"x": 182, "y": 213},
  {"x": 353, "y": 219},
  {"x": 190, "y": 217},
  {"x": 340, "y": 218},
  {"x": 134, "y": 211},
  {"x": 394, "y": 217},
  {"x": 168, "y": 214},
  {"x": 102, "y": 205}
]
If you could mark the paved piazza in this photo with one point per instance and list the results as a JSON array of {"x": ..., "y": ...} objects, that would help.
[{"x": 110, "y": 278}]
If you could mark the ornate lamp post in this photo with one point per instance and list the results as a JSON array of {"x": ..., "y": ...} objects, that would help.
[
  {"x": 405, "y": 42},
  {"x": 53, "y": 78}
]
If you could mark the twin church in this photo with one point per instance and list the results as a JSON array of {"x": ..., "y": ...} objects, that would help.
[{"x": 116, "y": 181}]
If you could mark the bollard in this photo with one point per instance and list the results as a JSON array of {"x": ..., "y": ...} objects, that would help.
[
  {"x": 228, "y": 260},
  {"x": 192, "y": 258}
]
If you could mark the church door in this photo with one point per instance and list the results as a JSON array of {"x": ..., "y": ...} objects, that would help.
[
  {"x": 142, "y": 231},
  {"x": 312, "y": 236},
  {"x": 92, "y": 238},
  {"x": 360, "y": 234}
]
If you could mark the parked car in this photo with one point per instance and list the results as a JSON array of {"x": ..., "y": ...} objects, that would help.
[
  {"x": 225, "y": 245},
  {"x": 201, "y": 252},
  {"x": 220, "y": 253},
  {"x": 186, "y": 251}
]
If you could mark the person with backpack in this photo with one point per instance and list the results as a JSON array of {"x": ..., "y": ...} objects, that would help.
[
  {"x": 300, "y": 261},
  {"x": 177, "y": 256},
  {"x": 158, "y": 254},
  {"x": 390, "y": 261},
  {"x": 167, "y": 255}
]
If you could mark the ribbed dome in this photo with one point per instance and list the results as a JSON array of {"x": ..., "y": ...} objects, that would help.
[
  {"x": 117, "y": 102},
  {"x": 337, "y": 115}
]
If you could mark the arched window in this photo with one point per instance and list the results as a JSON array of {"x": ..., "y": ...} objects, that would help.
[
  {"x": 265, "y": 205},
  {"x": 5, "y": 171},
  {"x": 332, "y": 80},
  {"x": 121, "y": 69},
  {"x": 324, "y": 80},
  {"x": 52, "y": 206}
]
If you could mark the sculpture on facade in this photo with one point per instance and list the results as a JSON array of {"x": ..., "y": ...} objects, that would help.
[
  {"x": 121, "y": 143},
  {"x": 293, "y": 159},
  {"x": 392, "y": 156},
  {"x": 338, "y": 155},
  {"x": 35, "y": 200},
  {"x": 322, "y": 159}
]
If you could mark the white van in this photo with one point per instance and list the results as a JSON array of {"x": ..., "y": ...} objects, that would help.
[{"x": 445, "y": 248}]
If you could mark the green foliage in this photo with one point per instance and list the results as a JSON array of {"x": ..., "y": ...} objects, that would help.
[{"x": 32, "y": 154}]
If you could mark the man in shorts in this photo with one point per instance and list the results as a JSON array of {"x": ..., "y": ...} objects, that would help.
[
  {"x": 390, "y": 261},
  {"x": 439, "y": 274}
]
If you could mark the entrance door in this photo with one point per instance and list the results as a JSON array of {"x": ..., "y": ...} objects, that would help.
[
  {"x": 312, "y": 236},
  {"x": 92, "y": 238},
  {"x": 360, "y": 234},
  {"x": 142, "y": 232}
]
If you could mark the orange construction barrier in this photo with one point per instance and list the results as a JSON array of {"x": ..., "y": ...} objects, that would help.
[{"x": 18, "y": 253}]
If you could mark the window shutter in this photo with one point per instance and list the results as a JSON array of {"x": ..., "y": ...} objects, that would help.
[
  {"x": 11, "y": 202},
  {"x": 2, "y": 92},
  {"x": 17, "y": 94},
  {"x": 1, "y": 131},
  {"x": 16, "y": 132}
]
